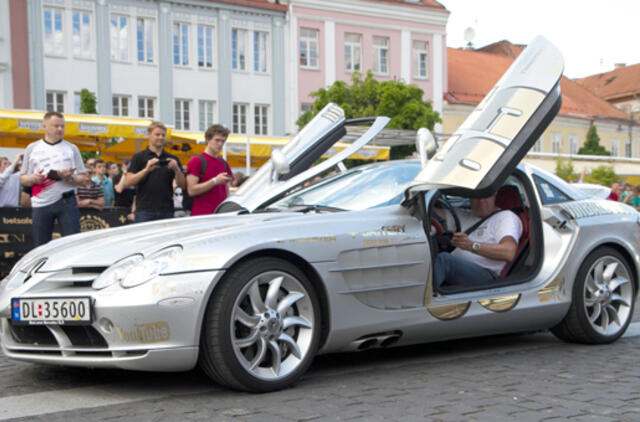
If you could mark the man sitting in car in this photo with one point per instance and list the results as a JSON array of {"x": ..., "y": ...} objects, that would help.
[{"x": 483, "y": 249}]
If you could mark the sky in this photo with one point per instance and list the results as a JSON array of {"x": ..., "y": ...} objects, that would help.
[{"x": 592, "y": 35}]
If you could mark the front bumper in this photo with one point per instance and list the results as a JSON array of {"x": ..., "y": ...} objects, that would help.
[{"x": 153, "y": 327}]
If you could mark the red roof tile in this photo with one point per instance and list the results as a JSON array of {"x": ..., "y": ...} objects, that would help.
[
  {"x": 503, "y": 47},
  {"x": 621, "y": 82},
  {"x": 472, "y": 74}
]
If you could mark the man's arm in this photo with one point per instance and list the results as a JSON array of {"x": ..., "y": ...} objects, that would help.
[
  {"x": 135, "y": 178},
  {"x": 503, "y": 251},
  {"x": 178, "y": 174},
  {"x": 121, "y": 185}
]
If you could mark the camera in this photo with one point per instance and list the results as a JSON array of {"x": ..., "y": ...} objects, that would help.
[
  {"x": 163, "y": 162},
  {"x": 53, "y": 175}
]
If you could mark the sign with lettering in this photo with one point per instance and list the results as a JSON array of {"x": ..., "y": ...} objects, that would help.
[{"x": 16, "y": 233}]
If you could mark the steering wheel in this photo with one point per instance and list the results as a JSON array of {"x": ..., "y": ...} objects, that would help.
[
  {"x": 441, "y": 241},
  {"x": 456, "y": 220}
]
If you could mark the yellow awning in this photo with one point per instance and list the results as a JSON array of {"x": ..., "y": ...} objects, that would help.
[
  {"x": 92, "y": 132},
  {"x": 29, "y": 124}
]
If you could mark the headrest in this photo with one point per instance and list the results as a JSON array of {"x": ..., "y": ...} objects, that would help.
[{"x": 508, "y": 198}]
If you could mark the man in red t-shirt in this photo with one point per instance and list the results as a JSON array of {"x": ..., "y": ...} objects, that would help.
[{"x": 210, "y": 190}]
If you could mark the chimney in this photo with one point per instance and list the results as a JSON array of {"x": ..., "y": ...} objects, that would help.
[{"x": 619, "y": 65}]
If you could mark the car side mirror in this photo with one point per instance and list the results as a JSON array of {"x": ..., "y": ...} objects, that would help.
[
  {"x": 425, "y": 145},
  {"x": 280, "y": 163}
]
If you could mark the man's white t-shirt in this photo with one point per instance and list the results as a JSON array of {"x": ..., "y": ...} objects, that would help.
[
  {"x": 491, "y": 231},
  {"x": 43, "y": 156}
]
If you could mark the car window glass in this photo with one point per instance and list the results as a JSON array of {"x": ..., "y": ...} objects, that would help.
[
  {"x": 549, "y": 194},
  {"x": 358, "y": 189}
]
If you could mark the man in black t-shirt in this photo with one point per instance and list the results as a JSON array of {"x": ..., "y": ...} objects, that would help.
[{"x": 152, "y": 171}]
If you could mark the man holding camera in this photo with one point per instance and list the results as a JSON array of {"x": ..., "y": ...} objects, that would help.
[
  {"x": 52, "y": 168},
  {"x": 152, "y": 172}
]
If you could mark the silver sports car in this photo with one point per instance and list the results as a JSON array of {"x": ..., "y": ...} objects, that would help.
[{"x": 287, "y": 271}]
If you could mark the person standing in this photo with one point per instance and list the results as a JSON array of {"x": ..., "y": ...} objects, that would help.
[
  {"x": 208, "y": 174},
  {"x": 11, "y": 194},
  {"x": 124, "y": 195},
  {"x": 100, "y": 177},
  {"x": 52, "y": 168},
  {"x": 152, "y": 172}
]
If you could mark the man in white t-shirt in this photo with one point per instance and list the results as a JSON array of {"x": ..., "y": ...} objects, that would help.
[
  {"x": 52, "y": 168},
  {"x": 481, "y": 255}
]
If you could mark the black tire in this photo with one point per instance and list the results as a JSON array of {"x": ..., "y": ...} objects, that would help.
[
  {"x": 250, "y": 338},
  {"x": 602, "y": 293}
]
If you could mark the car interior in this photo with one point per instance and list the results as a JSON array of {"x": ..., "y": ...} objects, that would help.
[{"x": 515, "y": 194}]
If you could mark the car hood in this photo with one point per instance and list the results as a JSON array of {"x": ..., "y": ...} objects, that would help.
[{"x": 102, "y": 248}]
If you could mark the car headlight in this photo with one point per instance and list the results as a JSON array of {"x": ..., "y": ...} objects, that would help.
[
  {"x": 22, "y": 272},
  {"x": 152, "y": 266},
  {"x": 117, "y": 272}
]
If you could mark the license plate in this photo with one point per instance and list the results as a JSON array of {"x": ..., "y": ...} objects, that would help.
[{"x": 59, "y": 310}]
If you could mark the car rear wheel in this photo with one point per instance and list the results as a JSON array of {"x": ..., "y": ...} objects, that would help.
[
  {"x": 602, "y": 300},
  {"x": 262, "y": 326}
]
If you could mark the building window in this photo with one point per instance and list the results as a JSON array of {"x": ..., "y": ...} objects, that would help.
[
  {"x": 261, "y": 119},
  {"x": 239, "y": 118},
  {"x": 260, "y": 42},
  {"x": 183, "y": 120},
  {"x": 556, "y": 143},
  {"x": 628, "y": 151},
  {"x": 308, "y": 48},
  {"x": 55, "y": 101},
  {"x": 144, "y": 40},
  {"x": 145, "y": 107},
  {"x": 304, "y": 107},
  {"x": 181, "y": 44},
  {"x": 119, "y": 31},
  {"x": 380, "y": 55},
  {"x": 53, "y": 31},
  {"x": 615, "y": 148},
  {"x": 352, "y": 57},
  {"x": 205, "y": 46},
  {"x": 81, "y": 35},
  {"x": 120, "y": 105},
  {"x": 420, "y": 59},
  {"x": 573, "y": 144},
  {"x": 537, "y": 147},
  {"x": 239, "y": 49},
  {"x": 205, "y": 114},
  {"x": 77, "y": 102}
]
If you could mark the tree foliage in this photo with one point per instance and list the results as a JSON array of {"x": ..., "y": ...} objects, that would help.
[
  {"x": 368, "y": 97},
  {"x": 592, "y": 145},
  {"x": 565, "y": 170},
  {"x": 88, "y": 102},
  {"x": 602, "y": 175}
]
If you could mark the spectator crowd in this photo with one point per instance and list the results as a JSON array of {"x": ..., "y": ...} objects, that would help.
[
  {"x": 627, "y": 193},
  {"x": 51, "y": 178}
]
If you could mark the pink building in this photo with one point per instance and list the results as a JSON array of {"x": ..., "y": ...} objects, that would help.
[{"x": 395, "y": 39}]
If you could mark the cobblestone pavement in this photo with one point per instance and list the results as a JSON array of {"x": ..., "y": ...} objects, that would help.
[{"x": 531, "y": 377}]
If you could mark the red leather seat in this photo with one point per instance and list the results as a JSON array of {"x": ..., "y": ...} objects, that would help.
[{"x": 508, "y": 198}]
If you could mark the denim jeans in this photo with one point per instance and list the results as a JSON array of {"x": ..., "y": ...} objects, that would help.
[
  {"x": 459, "y": 272},
  {"x": 142, "y": 216},
  {"x": 65, "y": 211}
]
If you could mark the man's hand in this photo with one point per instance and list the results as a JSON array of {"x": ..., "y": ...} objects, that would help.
[
  {"x": 36, "y": 178},
  {"x": 66, "y": 174},
  {"x": 461, "y": 240},
  {"x": 222, "y": 179},
  {"x": 152, "y": 164},
  {"x": 173, "y": 165}
]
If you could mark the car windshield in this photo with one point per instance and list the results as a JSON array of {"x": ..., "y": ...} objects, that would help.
[{"x": 358, "y": 189}]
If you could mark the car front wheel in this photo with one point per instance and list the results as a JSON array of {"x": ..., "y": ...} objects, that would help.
[
  {"x": 262, "y": 326},
  {"x": 602, "y": 300}
]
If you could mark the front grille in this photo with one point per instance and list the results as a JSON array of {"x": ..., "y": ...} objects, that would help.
[
  {"x": 32, "y": 334},
  {"x": 41, "y": 335},
  {"x": 84, "y": 336}
]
